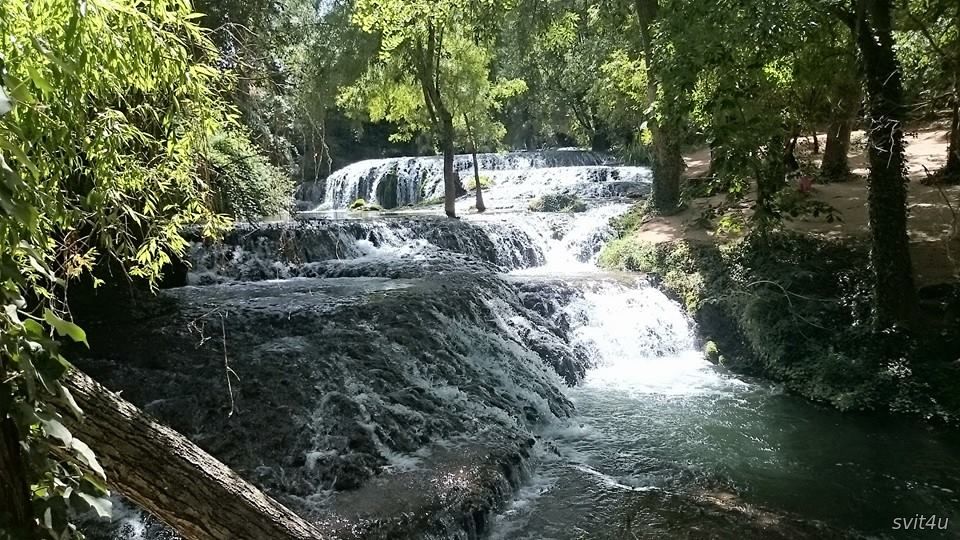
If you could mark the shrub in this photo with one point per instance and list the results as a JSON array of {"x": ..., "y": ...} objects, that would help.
[{"x": 246, "y": 185}]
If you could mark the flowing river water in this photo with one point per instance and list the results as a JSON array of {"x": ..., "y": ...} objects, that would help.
[{"x": 483, "y": 378}]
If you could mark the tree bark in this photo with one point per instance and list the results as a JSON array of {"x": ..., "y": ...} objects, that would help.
[
  {"x": 16, "y": 514},
  {"x": 816, "y": 142},
  {"x": 172, "y": 478},
  {"x": 449, "y": 180},
  {"x": 895, "y": 297},
  {"x": 476, "y": 166},
  {"x": 835, "y": 164},
  {"x": 951, "y": 171},
  {"x": 667, "y": 155}
]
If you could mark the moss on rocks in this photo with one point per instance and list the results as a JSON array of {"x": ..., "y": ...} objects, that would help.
[
  {"x": 361, "y": 205},
  {"x": 558, "y": 203}
]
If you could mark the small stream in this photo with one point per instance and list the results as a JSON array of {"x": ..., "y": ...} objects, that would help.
[{"x": 484, "y": 373}]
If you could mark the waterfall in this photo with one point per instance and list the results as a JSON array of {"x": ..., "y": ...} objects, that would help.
[{"x": 398, "y": 182}]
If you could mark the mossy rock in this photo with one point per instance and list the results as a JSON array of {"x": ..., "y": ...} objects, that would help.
[
  {"x": 712, "y": 353},
  {"x": 558, "y": 203},
  {"x": 358, "y": 204},
  {"x": 361, "y": 205}
]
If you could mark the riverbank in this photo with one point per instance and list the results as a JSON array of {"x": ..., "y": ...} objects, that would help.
[{"x": 792, "y": 309}]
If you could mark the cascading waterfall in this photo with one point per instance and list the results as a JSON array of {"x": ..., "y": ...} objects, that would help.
[
  {"x": 413, "y": 365},
  {"x": 398, "y": 182}
]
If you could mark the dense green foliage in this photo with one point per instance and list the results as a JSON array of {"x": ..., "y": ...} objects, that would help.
[
  {"x": 113, "y": 109},
  {"x": 245, "y": 183}
]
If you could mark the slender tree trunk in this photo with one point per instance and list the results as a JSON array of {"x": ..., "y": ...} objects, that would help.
[
  {"x": 16, "y": 514},
  {"x": 476, "y": 180},
  {"x": 667, "y": 155},
  {"x": 172, "y": 478},
  {"x": 449, "y": 178},
  {"x": 894, "y": 294},
  {"x": 816, "y": 143},
  {"x": 951, "y": 170},
  {"x": 476, "y": 166}
]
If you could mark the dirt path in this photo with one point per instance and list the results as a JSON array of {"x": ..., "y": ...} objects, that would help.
[{"x": 936, "y": 259}]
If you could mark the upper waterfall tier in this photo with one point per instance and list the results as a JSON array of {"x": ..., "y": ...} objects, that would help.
[{"x": 401, "y": 181}]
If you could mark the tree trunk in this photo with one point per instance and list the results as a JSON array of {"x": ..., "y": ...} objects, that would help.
[
  {"x": 667, "y": 156},
  {"x": 816, "y": 143},
  {"x": 951, "y": 171},
  {"x": 895, "y": 297},
  {"x": 667, "y": 170},
  {"x": 476, "y": 180},
  {"x": 449, "y": 180},
  {"x": 16, "y": 514},
  {"x": 835, "y": 164},
  {"x": 476, "y": 166},
  {"x": 172, "y": 478}
]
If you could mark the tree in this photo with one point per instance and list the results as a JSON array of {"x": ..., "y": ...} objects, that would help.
[
  {"x": 113, "y": 105},
  {"x": 895, "y": 297},
  {"x": 667, "y": 157},
  {"x": 412, "y": 42},
  {"x": 475, "y": 100},
  {"x": 431, "y": 74}
]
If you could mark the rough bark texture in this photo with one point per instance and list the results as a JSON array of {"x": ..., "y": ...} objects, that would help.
[
  {"x": 895, "y": 296},
  {"x": 172, "y": 478},
  {"x": 667, "y": 156}
]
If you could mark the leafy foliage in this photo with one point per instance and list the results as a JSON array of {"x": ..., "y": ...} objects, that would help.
[
  {"x": 246, "y": 185},
  {"x": 114, "y": 103}
]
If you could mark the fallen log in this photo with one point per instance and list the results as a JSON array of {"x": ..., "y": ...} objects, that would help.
[{"x": 172, "y": 478}]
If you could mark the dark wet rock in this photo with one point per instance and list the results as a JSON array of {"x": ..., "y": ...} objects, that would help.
[
  {"x": 341, "y": 381},
  {"x": 320, "y": 247}
]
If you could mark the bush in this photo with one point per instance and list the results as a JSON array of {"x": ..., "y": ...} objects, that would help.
[
  {"x": 485, "y": 182},
  {"x": 558, "y": 203},
  {"x": 245, "y": 184}
]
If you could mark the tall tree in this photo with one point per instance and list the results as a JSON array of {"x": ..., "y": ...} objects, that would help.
[
  {"x": 441, "y": 85},
  {"x": 895, "y": 297},
  {"x": 413, "y": 35},
  {"x": 667, "y": 157}
]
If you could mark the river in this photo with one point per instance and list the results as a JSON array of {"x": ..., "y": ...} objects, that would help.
[{"x": 402, "y": 350}]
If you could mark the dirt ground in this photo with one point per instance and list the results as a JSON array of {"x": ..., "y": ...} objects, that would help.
[{"x": 935, "y": 245}]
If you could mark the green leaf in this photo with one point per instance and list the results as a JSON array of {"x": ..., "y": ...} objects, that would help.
[
  {"x": 20, "y": 155},
  {"x": 65, "y": 328},
  {"x": 102, "y": 506},
  {"x": 39, "y": 80},
  {"x": 18, "y": 89},
  {"x": 70, "y": 402},
  {"x": 87, "y": 456},
  {"x": 54, "y": 429}
]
